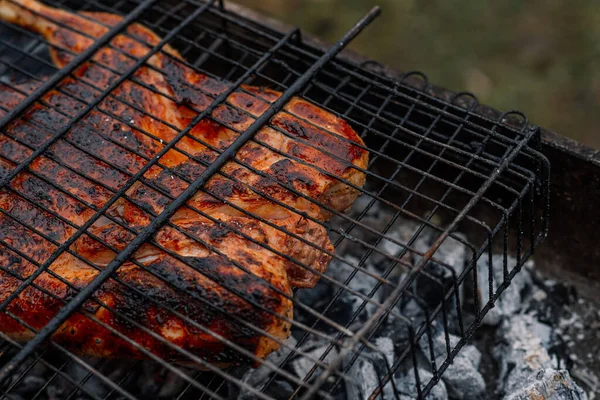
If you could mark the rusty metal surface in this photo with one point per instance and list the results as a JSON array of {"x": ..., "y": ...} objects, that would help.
[{"x": 572, "y": 250}]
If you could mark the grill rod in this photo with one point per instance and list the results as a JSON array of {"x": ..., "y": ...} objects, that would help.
[
  {"x": 65, "y": 312},
  {"x": 397, "y": 292},
  {"x": 89, "y": 222}
]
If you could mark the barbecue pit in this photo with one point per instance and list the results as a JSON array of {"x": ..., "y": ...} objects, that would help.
[{"x": 455, "y": 204}]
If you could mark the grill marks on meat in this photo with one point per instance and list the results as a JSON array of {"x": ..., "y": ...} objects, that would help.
[{"x": 201, "y": 265}]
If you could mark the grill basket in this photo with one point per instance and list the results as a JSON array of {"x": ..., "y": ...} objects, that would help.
[{"x": 444, "y": 183}]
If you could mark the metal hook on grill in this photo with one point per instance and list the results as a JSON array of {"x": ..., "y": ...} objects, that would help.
[
  {"x": 471, "y": 105},
  {"x": 408, "y": 78}
]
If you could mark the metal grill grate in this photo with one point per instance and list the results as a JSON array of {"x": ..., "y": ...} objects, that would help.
[{"x": 440, "y": 176}]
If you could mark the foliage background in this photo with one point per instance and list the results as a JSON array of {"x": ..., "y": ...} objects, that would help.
[{"x": 539, "y": 56}]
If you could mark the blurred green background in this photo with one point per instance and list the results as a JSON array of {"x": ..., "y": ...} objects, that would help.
[{"x": 539, "y": 56}]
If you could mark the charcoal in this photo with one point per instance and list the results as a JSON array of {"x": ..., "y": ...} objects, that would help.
[
  {"x": 452, "y": 252},
  {"x": 316, "y": 297},
  {"x": 386, "y": 346},
  {"x": 150, "y": 379},
  {"x": 368, "y": 371},
  {"x": 30, "y": 385},
  {"x": 473, "y": 354},
  {"x": 543, "y": 331},
  {"x": 365, "y": 379},
  {"x": 548, "y": 384},
  {"x": 399, "y": 329},
  {"x": 401, "y": 232},
  {"x": 440, "y": 353},
  {"x": 55, "y": 392},
  {"x": 377, "y": 218},
  {"x": 302, "y": 365},
  {"x": 172, "y": 385},
  {"x": 407, "y": 388},
  {"x": 439, "y": 277},
  {"x": 511, "y": 300},
  {"x": 363, "y": 284},
  {"x": 527, "y": 371},
  {"x": 349, "y": 303},
  {"x": 279, "y": 389},
  {"x": 354, "y": 247},
  {"x": 256, "y": 377},
  {"x": 520, "y": 352},
  {"x": 414, "y": 311},
  {"x": 77, "y": 372},
  {"x": 361, "y": 203},
  {"x": 462, "y": 378},
  {"x": 340, "y": 270}
]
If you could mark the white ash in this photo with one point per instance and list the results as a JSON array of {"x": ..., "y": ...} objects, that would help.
[
  {"x": 257, "y": 377},
  {"x": 402, "y": 231},
  {"x": 376, "y": 219},
  {"x": 521, "y": 352},
  {"x": 463, "y": 380},
  {"x": 527, "y": 370},
  {"x": 398, "y": 328},
  {"x": 386, "y": 346},
  {"x": 442, "y": 274},
  {"x": 543, "y": 332},
  {"x": 548, "y": 384}
]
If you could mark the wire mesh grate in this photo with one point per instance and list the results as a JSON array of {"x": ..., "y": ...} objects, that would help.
[{"x": 163, "y": 306}]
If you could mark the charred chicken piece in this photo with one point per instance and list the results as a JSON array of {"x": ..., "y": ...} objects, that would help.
[{"x": 226, "y": 264}]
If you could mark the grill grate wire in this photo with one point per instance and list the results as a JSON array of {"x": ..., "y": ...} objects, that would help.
[{"x": 403, "y": 128}]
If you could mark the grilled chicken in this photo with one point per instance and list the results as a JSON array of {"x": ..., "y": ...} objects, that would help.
[{"x": 223, "y": 269}]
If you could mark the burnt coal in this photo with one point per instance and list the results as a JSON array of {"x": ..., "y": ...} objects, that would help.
[
  {"x": 369, "y": 370},
  {"x": 303, "y": 365},
  {"x": 521, "y": 354},
  {"x": 280, "y": 389},
  {"x": 462, "y": 377},
  {"x": 257, "y": 377},
  {"x": 407, "y": 386},
  {"x": 549, "y": 384},
  {"x": 510, "y": 302},
  {"x": 350, "y": 302}
]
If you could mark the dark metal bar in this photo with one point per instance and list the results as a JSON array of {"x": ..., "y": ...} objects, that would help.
[
  {"x": 432, "y": 212},
  {"x": 393, "y": 298},
  {"x": 28, "y": 349},
  {"x": 146, "y": 234},
  {"x": 380, "y": 237},
  {"x": 371, "y": 91}
]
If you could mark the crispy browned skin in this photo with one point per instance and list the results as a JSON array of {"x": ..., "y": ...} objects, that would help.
[{"x": 225, "y": 277}]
